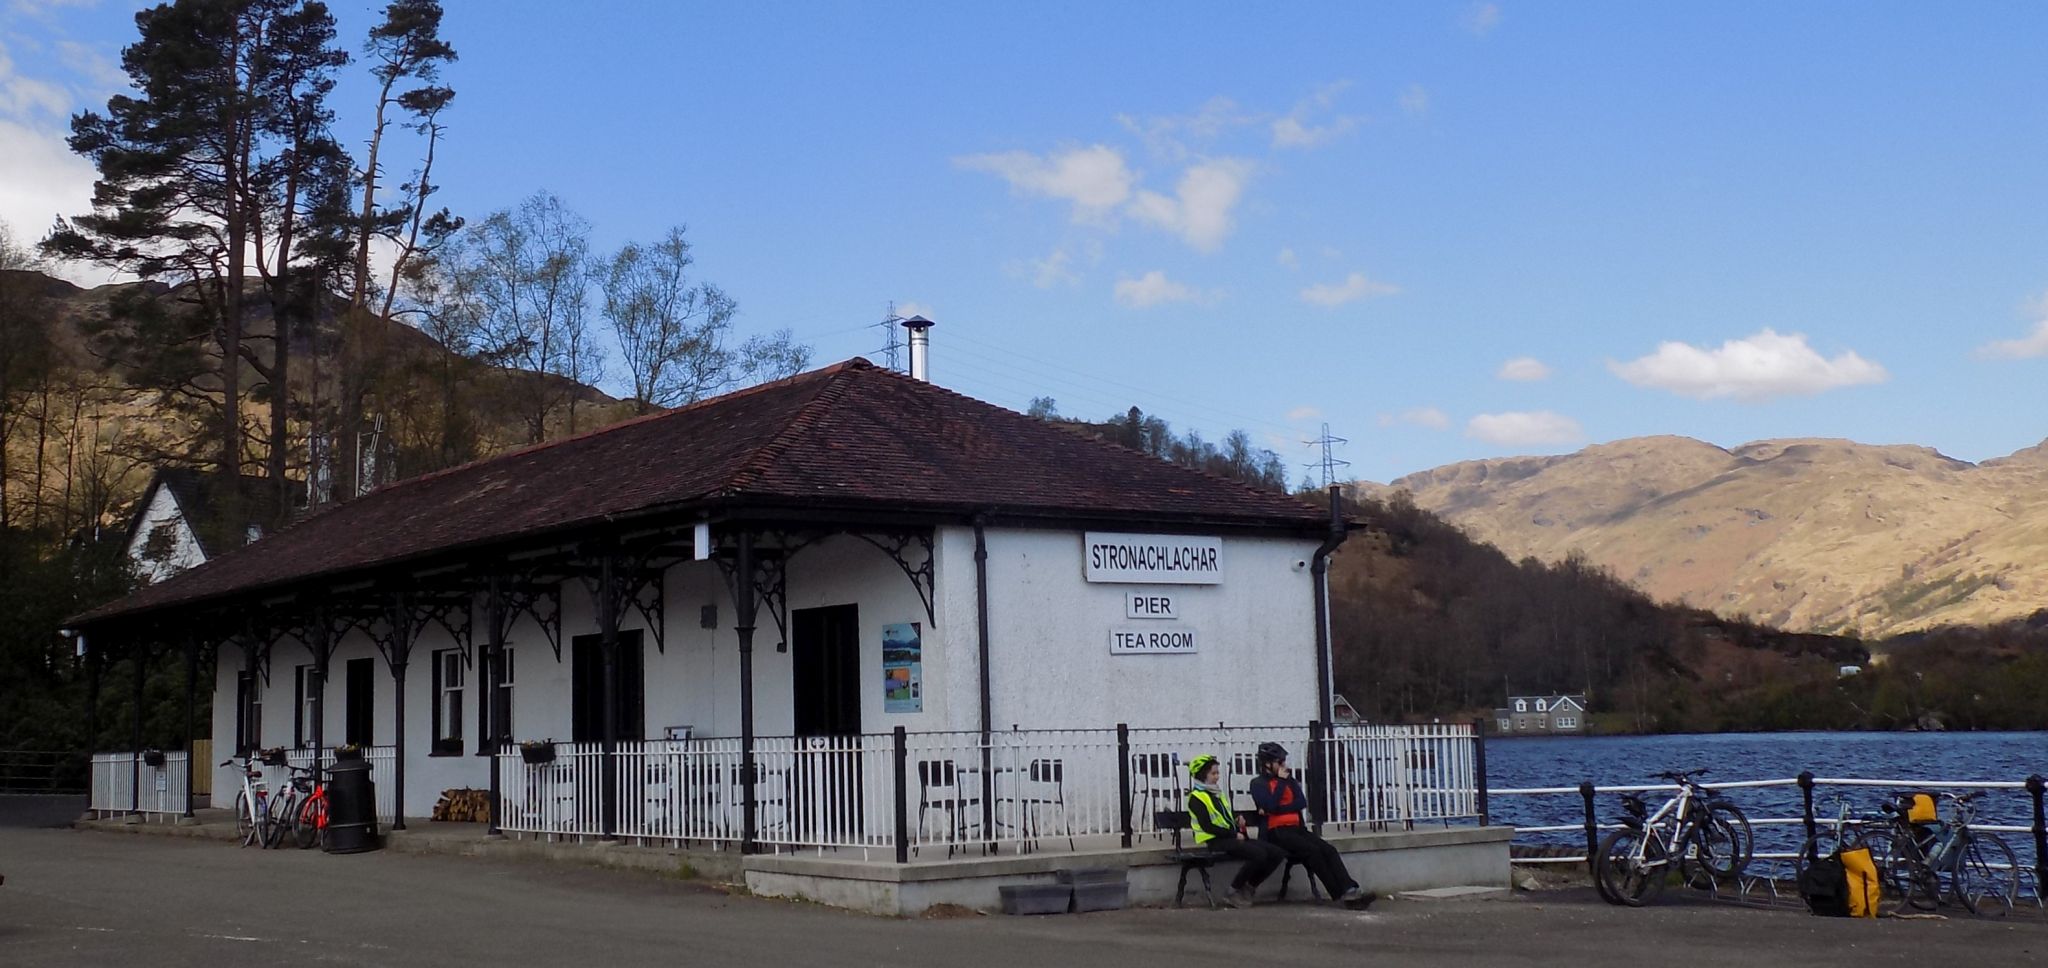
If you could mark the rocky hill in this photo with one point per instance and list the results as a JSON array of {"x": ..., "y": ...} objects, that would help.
[{"x": 1814, "y": 535}]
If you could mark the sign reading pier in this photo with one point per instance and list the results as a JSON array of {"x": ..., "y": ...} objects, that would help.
[{"x": 1157, "y": 559}]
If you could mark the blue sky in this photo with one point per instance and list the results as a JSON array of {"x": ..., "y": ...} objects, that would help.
[{"x": 1451, "y": 230}]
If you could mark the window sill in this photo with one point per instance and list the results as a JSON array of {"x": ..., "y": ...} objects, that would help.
[{"x": 444, "y": 753}]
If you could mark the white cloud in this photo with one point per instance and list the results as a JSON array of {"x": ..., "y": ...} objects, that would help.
[
  {"x": 1304, "y": 413},
  {"x": 1523, "y": 428},
  {"x": 1768, "y": 364},
  {"x": 1286, "y": 257},
  {"x": 1524, "y": 369},
  {"x": 2033, "y": 344},
  {"x": 911, "y": 307},
  {"x": 1429, "y": 417},
  {"x": 1415, "y": 100},
  {"x": 1355, "y": 286},
  {"x": 23, "y": 97},
  {"x": 1481, "y": 18},
  {"x": 92, "y": 65},
  {"x": 1200, "y": 210},
  {"x": 1153, "y": 288},
  {"x": 1053, "y": 270},
  {"x": 40, "y": 177},
  {"x": 1177, "y": 136},
  {"x": 1095, "y": 179},
  {"x": 1297, "y": 129}
]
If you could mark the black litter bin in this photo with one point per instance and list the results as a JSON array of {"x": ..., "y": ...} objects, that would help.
[{"x": 351, "y": 808}]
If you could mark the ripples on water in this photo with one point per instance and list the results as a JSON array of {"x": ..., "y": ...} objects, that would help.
[{"x": 1621, "y": 760}]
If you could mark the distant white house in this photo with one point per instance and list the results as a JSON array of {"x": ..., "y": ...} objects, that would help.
[
  {"x": 1541, "y": 715},
  {"x": 175, "y": 522}
]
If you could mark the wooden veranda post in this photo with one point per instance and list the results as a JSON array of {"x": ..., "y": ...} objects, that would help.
[
  {"x": 135, "y": 747},
  {"x": 608, "y": 627},
  {"x": 191, "y": 713},
  {"x": 743, "y": 626}
]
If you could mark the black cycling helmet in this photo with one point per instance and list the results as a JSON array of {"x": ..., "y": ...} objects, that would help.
[{"x": 1272, "y": 753}]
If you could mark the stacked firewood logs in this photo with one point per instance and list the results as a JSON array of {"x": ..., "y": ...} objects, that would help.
[{"x": 464, "y": 806}]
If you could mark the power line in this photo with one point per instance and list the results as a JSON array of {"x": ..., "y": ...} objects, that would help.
[{"x": 1330, "y": 461}]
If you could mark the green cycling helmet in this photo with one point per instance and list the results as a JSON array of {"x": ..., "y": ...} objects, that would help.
[{"x": 1200, "y": 765}]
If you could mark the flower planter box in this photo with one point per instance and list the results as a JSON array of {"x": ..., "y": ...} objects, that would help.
[
  {"x": 347, "y": 755},
  {"x": 537, "y": 755},
  {"x": 153, "y": 758}
]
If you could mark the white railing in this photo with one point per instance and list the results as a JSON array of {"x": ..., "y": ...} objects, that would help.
[
  {"x": 1019, "y": 791},
  {"x": 114, "y": 775},
  {"x": 1384, "y": 775},
  {"x": 560, "y": 798},
  {"x": 383, "y": 762},
  {"x": 1779, "y": 838}
]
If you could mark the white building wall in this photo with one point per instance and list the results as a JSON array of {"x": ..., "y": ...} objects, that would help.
[
  {"x": 1049, "y": 641},
  {"x": 1050, "y": 663},
  {"x": 184, "y": 552}
]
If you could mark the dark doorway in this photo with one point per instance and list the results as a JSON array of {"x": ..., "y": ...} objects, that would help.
[
  {"x": 359, "y": 703},
  {"x": 587, "y": 688},
  {"x": 825, "y": 671},
  {"x": 824, "y": 657}
]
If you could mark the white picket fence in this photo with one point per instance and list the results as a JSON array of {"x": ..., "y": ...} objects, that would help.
[
  {"x": 1023, "y": 790},
  {"x": 114, "y": 776},
  {"x": 383, "y": 762}
]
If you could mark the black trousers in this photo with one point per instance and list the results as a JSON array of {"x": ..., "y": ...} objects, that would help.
[
  {"x": 1261, "y": 859},
  {"x": 1314, "y": 853}
]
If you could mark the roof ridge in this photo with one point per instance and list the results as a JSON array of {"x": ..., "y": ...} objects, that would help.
[
  {"x": 806, "y": 418},
  {"x": 821, "y": 372},
  {"x": 1105, "y": 442}
]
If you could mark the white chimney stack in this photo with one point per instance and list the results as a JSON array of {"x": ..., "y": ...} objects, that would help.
[{"x": 920, "y": 346}]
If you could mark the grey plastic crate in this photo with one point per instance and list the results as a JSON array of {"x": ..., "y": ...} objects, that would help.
[
  {"x": 1102, "y": 897},
  {"x": 1036, "y": 898}
]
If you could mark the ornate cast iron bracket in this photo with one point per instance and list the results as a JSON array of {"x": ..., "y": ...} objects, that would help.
[{"x": 919, "y": 569}]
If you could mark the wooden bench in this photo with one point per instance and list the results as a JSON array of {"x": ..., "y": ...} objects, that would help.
[
  {"x": 1201, "y": 859},
  {"x": 1189, "y": 859}
]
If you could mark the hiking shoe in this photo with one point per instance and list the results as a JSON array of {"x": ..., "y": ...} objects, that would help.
[
  {"x": 1359, "y": 900},
  {"x": 1239, "y": 898},
  {"x": 1353, "y": 893}
]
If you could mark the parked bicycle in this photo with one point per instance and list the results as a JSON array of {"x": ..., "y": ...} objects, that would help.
[
  {"x": 1922, "y": 857},
  {"x": 252, "y": 804},
  {"x": 1698, "y": 835},
  {"x": 290, "y": 819}
]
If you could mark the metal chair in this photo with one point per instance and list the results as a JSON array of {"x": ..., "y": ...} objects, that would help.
[
  {"x": 938, "y": 788},
  {"x": 1035, "y": 798},
  {"x": 1157, "y": 783}
]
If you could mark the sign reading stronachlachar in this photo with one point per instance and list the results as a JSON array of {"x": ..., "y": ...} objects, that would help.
[{"x": 1160, "y": 559}]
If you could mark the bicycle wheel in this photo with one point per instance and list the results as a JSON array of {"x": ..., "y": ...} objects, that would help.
[
  {"x": 1727, "y": 842},
  {"x": 245, "y": 819},
  {"x": 1987, "y": 876},
  {"x": 1713, "y": 853},
  {"x": 1903, "y": 878},
  {"x": 311, "y": 823},
  {"x": 1624, "y": 878},
  {"x": 282, "y": 807}
]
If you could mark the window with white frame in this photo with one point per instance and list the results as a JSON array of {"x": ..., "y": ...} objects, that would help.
[
  {"x": 303, "y": 713},
  {"x": 494, "y": 723},
  {"x": 1567, "y": 722},
  {"x": 1521, "y": 705},
  {"x": 450, "y": 679}
]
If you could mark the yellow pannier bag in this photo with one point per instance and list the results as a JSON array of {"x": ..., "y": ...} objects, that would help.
[
  {"x": 1861, "y": 872},
  {"x": 1919, "y": 807}
]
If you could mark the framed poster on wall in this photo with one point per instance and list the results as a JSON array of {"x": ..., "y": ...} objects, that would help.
[{"x": 903, "y": 668}]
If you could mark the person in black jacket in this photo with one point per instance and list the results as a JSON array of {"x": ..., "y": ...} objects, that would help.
[
  {"x": 1281, "y": 801},
  {"x": 1219, "y": 828}
]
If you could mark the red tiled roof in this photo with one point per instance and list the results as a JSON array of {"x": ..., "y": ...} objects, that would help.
[{"x": 849, "y": 436}]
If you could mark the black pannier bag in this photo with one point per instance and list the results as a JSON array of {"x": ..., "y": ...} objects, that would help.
[{"x": 1824, "y": 885}]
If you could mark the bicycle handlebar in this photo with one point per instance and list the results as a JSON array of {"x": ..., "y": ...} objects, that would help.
[{"x": 1683, "y": 776}]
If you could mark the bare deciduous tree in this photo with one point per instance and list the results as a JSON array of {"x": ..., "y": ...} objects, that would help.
[{"x": 675, "y": 335}]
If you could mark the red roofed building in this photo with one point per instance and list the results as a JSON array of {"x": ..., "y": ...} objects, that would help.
[{"x": 757, "y": 581}]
